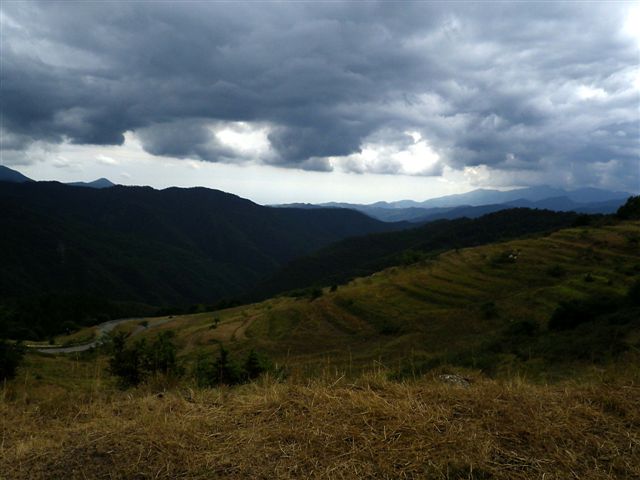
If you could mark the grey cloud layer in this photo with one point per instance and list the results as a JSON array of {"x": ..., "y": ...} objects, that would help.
[{"x": 493, "y": 85}]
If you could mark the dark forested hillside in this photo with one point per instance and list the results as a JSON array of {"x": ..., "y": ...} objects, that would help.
[
  {"x": 168, "y": 247},
  {"x": 9, "y": 175},
  {"x": 364, "y": 255}
]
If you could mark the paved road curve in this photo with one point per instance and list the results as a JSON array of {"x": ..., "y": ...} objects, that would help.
[{"x": 103, "y": 329}]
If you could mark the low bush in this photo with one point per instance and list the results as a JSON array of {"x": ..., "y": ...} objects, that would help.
[
  {"x": 570, "y": 314},
  {"x": 223, "y": 370},
  {"x": 556, "y": 271},
  {"x": 311, "y": 293},
  {"x": 489, "y": 310},
  {"x": 133, "y": 364},
  {"x": 504, "y": 258},
  {"x": 11, "y": 356}
]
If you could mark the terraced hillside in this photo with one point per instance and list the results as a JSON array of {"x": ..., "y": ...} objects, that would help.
[{"x": 443, "y": 308}]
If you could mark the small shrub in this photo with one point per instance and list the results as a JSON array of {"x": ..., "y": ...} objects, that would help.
[
  {"x": 133, "y": 364},
  {"x": 514, "y": 339},
  {"x": 312, "y": 293},
  {"x": 596, "y": 343},
  {"x": 11, "y": 356},
  {"x": 126, "y": 363},
  {"x": 202, "y": 370},
  {"x": 504, "y": 258},
  {"x": 388, "y": 327},
  {"x": 633, "y": 240},
  {"x": 255, "y": 365},
  {"x": 198, "y": 308},
  {"x": 489, "y": 310},
  {"x": 161, "y": 355},
  {"x": 523, "y": 328},
  {"x": 223, "y": 370},
  {"x": 572, "y": 313},
  {"x": 556, "y": 271},
  {"x": 410, "y": 257},
  {"x": 624, "y": 316},
  {"x": 315, "y": 293},
  {"x": 582, "y": 220},
  {"x": 633, "y": 294}
]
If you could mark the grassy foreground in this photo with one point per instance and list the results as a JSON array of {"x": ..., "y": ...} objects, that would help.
[{"x": 327, "y": 428}]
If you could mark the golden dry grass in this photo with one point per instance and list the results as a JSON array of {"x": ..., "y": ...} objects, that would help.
[{"x": 372, "y": 428}]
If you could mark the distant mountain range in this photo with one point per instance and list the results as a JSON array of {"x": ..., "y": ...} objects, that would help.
[
  {"x": 99, "y": 183},
  {"x": 482, "y": 201},
  {"x": 471, "y": 204},
  {"x": 9, "y": 175}
]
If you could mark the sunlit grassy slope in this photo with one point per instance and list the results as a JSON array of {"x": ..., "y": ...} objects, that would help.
[{"x": 443, "y": 306}]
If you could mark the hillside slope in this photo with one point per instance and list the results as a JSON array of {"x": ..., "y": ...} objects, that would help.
[
  {"x": 367, "y": 254},
  {"x": 455, "y": 304},
  {"x": 174, "y": 246},
  {"x": 9, "y": 175}
]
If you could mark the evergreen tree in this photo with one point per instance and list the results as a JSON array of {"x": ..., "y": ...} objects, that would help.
[
  {"x": 631, "y": 209},
  {"x": 11, "y": 356},
  {"x": 254, "y": 365}
]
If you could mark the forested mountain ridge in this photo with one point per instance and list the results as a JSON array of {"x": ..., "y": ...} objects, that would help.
[
  {"x": 9, "y": 175},
  {"x": 160, "y": 247}
]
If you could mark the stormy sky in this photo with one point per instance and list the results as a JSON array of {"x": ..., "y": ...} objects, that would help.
[{"x": 323, "y": 101}]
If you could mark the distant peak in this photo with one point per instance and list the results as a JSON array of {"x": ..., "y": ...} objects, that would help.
[{"x": 99, "y": 183}]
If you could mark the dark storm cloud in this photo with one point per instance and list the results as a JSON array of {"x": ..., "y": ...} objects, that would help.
[
  {"x": 493, "y": 84},
  {"x": 183, "y": 139}
]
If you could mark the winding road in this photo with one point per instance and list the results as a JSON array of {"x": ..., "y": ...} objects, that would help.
[{"x": 103, "y": 329}]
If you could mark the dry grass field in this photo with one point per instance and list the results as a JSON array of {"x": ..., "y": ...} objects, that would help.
[{"x": 327, "y": 428}]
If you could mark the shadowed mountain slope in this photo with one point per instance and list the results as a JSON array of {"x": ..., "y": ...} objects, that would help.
[
  {"x": 9, "y": 175},
  {"x": 161, "y": 247}
]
